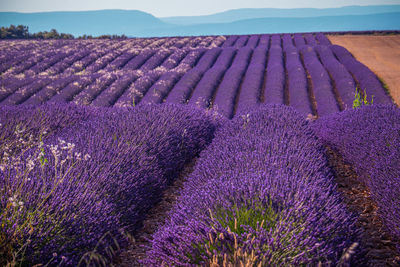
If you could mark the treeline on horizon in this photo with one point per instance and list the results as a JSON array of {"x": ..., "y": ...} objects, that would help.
[{"x": 22, "y": 32}]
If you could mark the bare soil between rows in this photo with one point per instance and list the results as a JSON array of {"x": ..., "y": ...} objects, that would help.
[
  {"x": 156, "y": 216},
  {"x": 380, "y": 53}
]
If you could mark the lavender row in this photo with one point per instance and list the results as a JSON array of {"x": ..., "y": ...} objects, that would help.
[
  {"x": 287, "y": 41},
  {"x": 10, "y": 83},
  {"x": 156, "y": 60},
  {"x": 366, "y": 78},
  {"x": 276, "y": 40},
  {"x": 250, "y": 93},
  {"x": 113, "y": 171},
  {"x": 230, "y": 41},
  {"x": 83, "y": 63},
  {"x": 322, "y": 39},
  {"x": 14, "y": 56},
  {"x": 21, "y": 94},
  {"x": 110, "y": 95},
  {"x": 143, "y": 84},
  {"x": 262, "y": 192},
  {"x": 86, "y": 96},
  {"x": 310, "y": 39},
  {"x": 67, "y": 93},
  {"x": 49, "y": 61},
  {"x": 175, "y": 58},
  {"x": 160, "y": 89},
  {"x": 205, "y": 89},
  {"x": 251, "y": 41},
  {"x": 50, "y": 90},
  {"x": 264, "y": 41},
  {"x": 297, "y": 82},
  {"x": 15, "y": 60},
  {"x": 298, "y": 40},
  {"x": 180, "y": 93},
  {"x": 121, "y": 61},
  {"x": 138, "y": 89},
  {"x": 228, "y": 90},
  {"x": 103, "y": 61},
  {"x": 139, "y": 60},
  {"x": 369, "y": 139},
  {"x": 274, "y": 84},
  {"x": 241, "y": 41},
  {"x": 189, "y": 60},
  {"x": 40, "y": 60},
  {"x": 59, "y": 67},
  {"x": 343, "y": 80},
  {"x": 321, "y": 84}
]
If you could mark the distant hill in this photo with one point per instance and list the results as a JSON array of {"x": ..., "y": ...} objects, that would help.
[
  {"x": 85, "y": 22},
  {"x": 253, "y": 13},
  {"x": 135, "y": 23},
  {"x": 385, "y": 21}
]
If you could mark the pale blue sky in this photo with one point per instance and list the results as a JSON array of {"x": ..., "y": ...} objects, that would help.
[{"x": 164, "y": 8}]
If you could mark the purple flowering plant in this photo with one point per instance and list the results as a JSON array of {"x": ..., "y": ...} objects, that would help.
[{"x": 27, "y": 189}]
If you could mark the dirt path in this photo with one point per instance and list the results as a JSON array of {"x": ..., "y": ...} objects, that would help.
[
  {"x": 380, "y": 53},
  {"x": 131, "y": 256}
]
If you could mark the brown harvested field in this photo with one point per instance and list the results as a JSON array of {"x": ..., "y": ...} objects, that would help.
[{"x": 381, "y": 53}]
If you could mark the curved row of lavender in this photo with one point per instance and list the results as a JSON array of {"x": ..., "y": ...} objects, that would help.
[
  {"x": 72, "y": 178},
  {"x": 321, "y": 83},
  {"x": 261, "y": 194},
  {"x": 369, "y": 139},
  {"x": 229, "y": 73},
  {"x": 298, "y": 90},
  {"x": 365, "y": 77}
]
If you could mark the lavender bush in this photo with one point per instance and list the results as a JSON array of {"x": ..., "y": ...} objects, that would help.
[
  {"x": 366, "y": 78},
  {"x": 87, "y": 173},
  {"x": 341, "y": 77},
  {"x": 274, "y": 83},
  {"x": 368, "y": 137},
  {"x": 226, "y": 96},
  {"x": 250, "y": 91},
  {"x": 260, "y": 194},
  {"x": 297, "y": 82},
  {"x": 321, "y": 83},
  {"x": 203, "y": 93}
]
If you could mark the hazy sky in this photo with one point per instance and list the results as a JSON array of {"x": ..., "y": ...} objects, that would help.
[{"x": 163, "y": 8}]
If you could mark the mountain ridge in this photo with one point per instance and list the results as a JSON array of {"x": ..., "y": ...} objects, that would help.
[
  {"x": 248, "y": 13},
  {"x": 135, "y": 23}
]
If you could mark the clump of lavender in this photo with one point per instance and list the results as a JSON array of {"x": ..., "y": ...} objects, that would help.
[
  {"x": 251, "y": 235},
  {"x": 34, "y": 179},
  {"x": 89, "y": 183},
  {"x": 261, "y": 194},
  {"x": 369, "y": 138}
]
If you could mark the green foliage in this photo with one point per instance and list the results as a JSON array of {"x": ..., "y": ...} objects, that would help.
[
  {"x": 52, "y": 34},
  {"x": 14, "y": 32},
  {"x": 253, "y": 214},
  {"x": 19, "y": 216},
  {"x": 361, "y": 100},
  {"x": 22, "y": 32},
  {"x": 230, "y": 242},
  {"x": 250, "y": 215}
]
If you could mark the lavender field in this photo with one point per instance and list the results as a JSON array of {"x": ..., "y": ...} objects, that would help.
[
  {"x": 93, "y": 132},
  {"x": 228, "y": 73}
]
